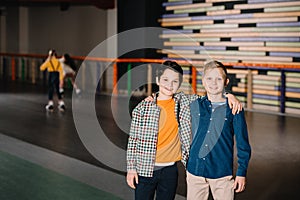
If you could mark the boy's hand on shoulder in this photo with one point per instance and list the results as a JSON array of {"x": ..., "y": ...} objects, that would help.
[
  {"x": 234, "y": 104},
  {"x": 149, "y": 98}
]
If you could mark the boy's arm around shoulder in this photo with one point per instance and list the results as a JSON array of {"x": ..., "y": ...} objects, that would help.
[
  {"x": 189, "y": 97},
  {"x": 233, "y": 102}
]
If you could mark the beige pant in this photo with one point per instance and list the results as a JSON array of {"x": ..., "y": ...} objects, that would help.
[{"x": 198, "y": 187}]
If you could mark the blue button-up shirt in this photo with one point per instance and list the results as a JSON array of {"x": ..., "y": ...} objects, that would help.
[{"x": 212, "y": 148}]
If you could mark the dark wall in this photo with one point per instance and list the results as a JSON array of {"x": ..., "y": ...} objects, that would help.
[
  {"x": 137, "y": 14},
  {"x": 12, "y": 31}
]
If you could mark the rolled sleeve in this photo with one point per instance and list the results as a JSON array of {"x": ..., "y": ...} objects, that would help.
[{"x": 242, "y": 143}]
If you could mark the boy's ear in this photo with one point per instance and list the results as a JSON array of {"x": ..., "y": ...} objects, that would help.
[
  {"x": 157, "y": 82},
  {"x": 226, "y": 81},
  {"x": 203, "y": 81}
]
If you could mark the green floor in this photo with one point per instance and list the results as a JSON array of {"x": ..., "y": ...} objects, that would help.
[{"x": 22, "y": 180}]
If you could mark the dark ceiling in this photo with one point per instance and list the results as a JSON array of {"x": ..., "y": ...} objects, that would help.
[{"x": 102, "y": 4}]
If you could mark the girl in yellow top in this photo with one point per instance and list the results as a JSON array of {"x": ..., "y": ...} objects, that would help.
[{"x": 54, "y": 69}]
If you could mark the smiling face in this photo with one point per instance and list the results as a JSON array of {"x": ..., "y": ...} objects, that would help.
[
  {"x": 168, "y": 83},
  {"x": 214, "y": 81}
]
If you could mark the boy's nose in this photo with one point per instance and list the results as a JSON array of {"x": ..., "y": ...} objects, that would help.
[{"x": 169, "y": 84}]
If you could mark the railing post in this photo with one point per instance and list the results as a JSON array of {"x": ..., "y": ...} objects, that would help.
[
  {"x": 1, "y": 64},
  {"x": 33, "y": 71},
  {"x": 23, "y": 69},
  {"x": 98, "y": 75},
  {"x": 4, "y": 68},
  {"x": 282, "y": 92},
  {"x": 249, "y": 89},
  {"x": 115, "y": 78},
  {"x": 194, "y": 79},
  {"x": 149, "y": 78},
  {"x": 104, "y": 76},
  {"x": 13, "y": 68},
  {"x": 129, "y": 79},
  {"x": 83, "y": 68}
]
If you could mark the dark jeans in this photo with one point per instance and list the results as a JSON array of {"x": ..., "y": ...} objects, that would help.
[
  {"x": 164, "y": 182},
  {"x": 53, "y": 84}
]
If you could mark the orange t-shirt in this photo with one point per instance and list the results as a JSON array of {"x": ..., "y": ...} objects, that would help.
[{"x": 168, "y": 143}]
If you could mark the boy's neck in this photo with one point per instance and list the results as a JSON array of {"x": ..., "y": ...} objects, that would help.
[
  {"x": 216, "y": 98},
  {"x": 163, "y": 97}
]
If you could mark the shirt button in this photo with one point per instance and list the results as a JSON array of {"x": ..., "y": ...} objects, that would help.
[
  {"x": 208, "y": 131},
  {"x": 206, "y": 145},
  {"x": 210, "y": 119},
  {"x": 213, "y": 110},
  {"x": 199, "y": 114},
  {"x": 203, "y": 158}
]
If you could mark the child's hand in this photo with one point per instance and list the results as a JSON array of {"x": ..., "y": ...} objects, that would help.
[
  {"x": 239, "y": 184},
  {"x": 149, "y": 98},
  {"x": 132, "y": 179},
  {"x": 234, "y": 104}
]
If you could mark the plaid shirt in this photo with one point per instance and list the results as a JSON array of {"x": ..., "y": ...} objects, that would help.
[{"x": 141, "y": 150}]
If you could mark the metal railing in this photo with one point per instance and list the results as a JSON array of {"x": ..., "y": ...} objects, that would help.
[{"x": 25, "y": 67}]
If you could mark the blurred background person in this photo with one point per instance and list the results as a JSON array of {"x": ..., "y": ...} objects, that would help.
[
  {"x": 68, "y": 71},
  {"x": 54, "y": 69}
]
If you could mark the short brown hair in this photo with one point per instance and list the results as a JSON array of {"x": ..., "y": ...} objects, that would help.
[{"x": 170, "y": 65}]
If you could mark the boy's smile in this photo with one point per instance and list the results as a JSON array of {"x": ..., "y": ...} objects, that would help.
[
  {"x": 168, "y": 84},
  {"x": 214, "y": 82}
]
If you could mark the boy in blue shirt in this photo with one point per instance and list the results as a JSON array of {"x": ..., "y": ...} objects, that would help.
[{"x": 210, "y": 163}]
